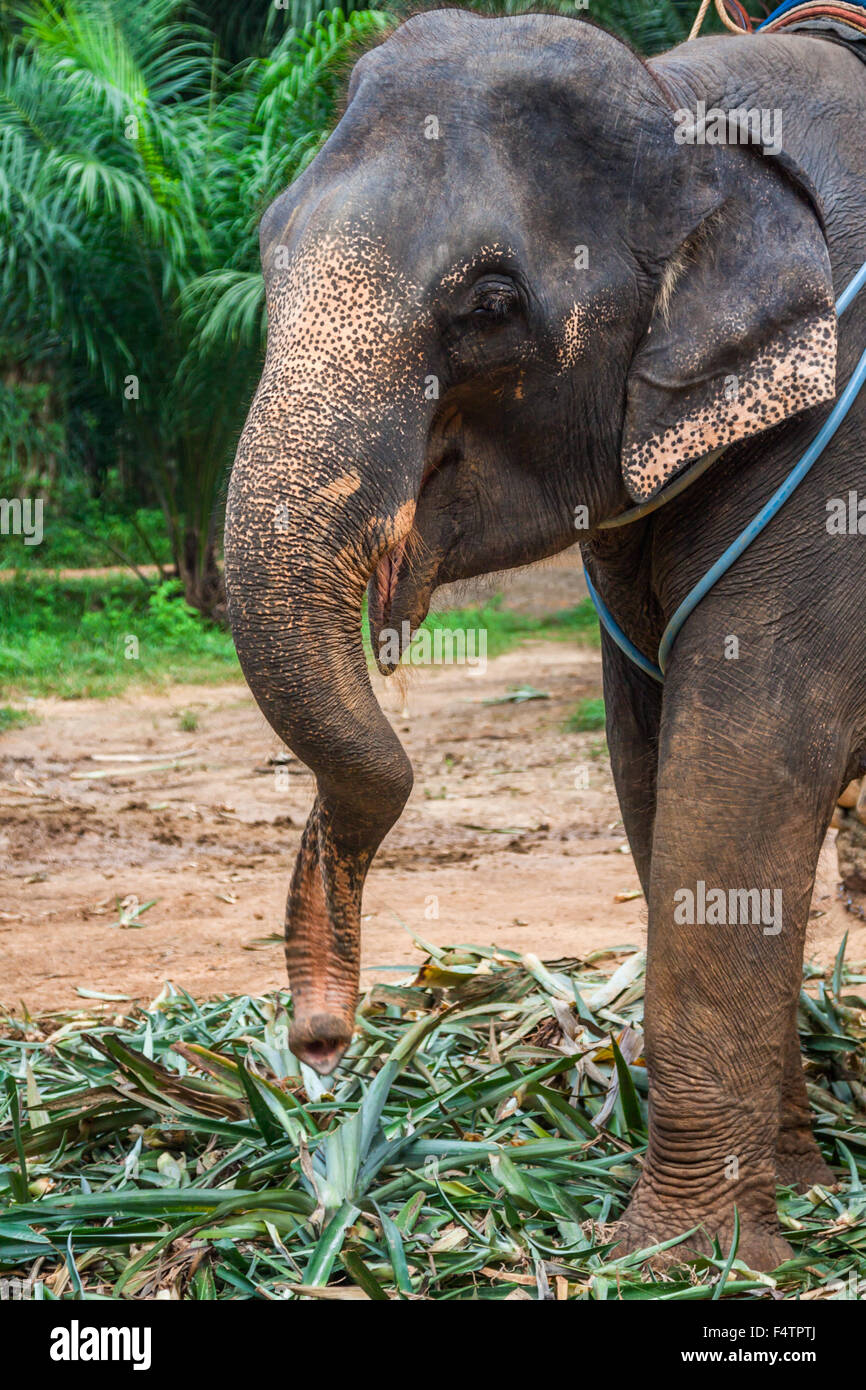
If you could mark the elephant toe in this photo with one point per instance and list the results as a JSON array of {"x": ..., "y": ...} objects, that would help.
[
  {"x": 759, "y": 1247},
  {"x": 804, "y": 1169}
]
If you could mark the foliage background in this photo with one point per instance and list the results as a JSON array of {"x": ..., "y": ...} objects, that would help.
[
  {"x": 139, "y": 146},
  {"x": 183, "y": 1153}
]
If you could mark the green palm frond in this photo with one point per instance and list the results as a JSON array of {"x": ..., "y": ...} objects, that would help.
[
  {"x": 139, "y": 146},
  {"x": 296, "y": 90},
  {"x": 266, "y": 135},
  {"x": 229, "y": 306}
]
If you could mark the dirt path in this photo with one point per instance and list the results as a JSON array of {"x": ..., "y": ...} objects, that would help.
[
  {"x": 536, "y": 590},
  {"x": 512, "y": 836}
]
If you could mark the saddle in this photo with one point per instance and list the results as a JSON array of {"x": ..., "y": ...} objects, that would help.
[{"x": 838, "y": 21}]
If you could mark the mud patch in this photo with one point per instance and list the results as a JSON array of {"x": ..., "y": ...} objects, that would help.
[{"x": 512, "y": 836}]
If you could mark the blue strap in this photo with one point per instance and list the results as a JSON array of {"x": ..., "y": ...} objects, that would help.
[
  {"x": 754, "y": 528},
  {"x": 793, "y": 5},
  {"x": 614, "y": 631},
  {"x": 851, "y": 291},
  {"x": 782, "y": 9}
]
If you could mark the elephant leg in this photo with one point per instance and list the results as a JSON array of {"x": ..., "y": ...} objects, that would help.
[
  {"x": 632, "y": 703},
  {"x": 799, "y": 1161},
  {"x": 743, "y": 804}
]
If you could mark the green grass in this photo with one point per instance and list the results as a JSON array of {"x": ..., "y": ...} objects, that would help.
[
  {"x": 588, "y": 715},
  {"x": 14, "y": 718},
  {"x": 457, "y": 1153},
  {"x": 94, "y": 637},
  {"x": 507, "y": 629},
  {"x": 94, "y": 537}
]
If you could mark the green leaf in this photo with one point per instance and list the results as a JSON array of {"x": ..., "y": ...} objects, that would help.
[
  {"x": 396, "y": 1252},
  {"x": 732, "y": 1255},
  {"x": 329, "y": 1245},
  {"x": 19, "y": 1181},
  {"x": 628, "y": 1096},
  {"x": 362, "y": 1276}
]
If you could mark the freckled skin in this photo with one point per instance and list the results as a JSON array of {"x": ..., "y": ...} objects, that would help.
[
  {"x": 446, "y": 380},
  {"x": 805, "y": 369}
]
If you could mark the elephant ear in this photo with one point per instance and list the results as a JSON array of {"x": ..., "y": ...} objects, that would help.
[{"x": 743, "y": 331}]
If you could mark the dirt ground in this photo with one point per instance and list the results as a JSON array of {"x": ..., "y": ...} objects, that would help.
[{"x": 512, "y": 835}]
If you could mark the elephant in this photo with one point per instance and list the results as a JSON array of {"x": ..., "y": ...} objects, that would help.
[{"x": 509, "y": 299}]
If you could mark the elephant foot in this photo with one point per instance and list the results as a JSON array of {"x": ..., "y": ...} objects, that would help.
[
  {"x": 645, "y": 1222},
  {"x": 800, "y": 1163}
]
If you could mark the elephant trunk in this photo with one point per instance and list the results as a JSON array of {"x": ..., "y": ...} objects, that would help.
[{"x": 303, "y": 536}]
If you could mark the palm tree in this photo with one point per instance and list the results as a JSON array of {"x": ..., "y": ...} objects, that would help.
[
  {"x": 139, "y": 145},
  {"x": 103, "y": 127},
  {"x": 134, "y": 165}
]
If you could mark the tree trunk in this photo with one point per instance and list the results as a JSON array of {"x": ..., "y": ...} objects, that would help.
[{"x": 202, "y": 579}]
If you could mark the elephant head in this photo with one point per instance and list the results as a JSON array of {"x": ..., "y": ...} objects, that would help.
[{"x": 503, "y": 295}]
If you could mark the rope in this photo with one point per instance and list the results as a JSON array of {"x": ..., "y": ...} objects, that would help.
[
  {"x": 721, "y": 11},
  {"x": 699, "y": 19}
]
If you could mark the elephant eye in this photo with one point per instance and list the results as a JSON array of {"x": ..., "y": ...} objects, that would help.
[{"x": 493, "y": 299}]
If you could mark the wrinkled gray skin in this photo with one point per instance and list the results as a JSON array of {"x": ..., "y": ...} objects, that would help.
[{"x": 398, "y": 258}]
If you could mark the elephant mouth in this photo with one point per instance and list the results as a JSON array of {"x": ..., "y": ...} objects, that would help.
[
  {"x": 403, "y": 582},
  {"x": 388, "y": 605},
  {"x": 384, "y": 584}
]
